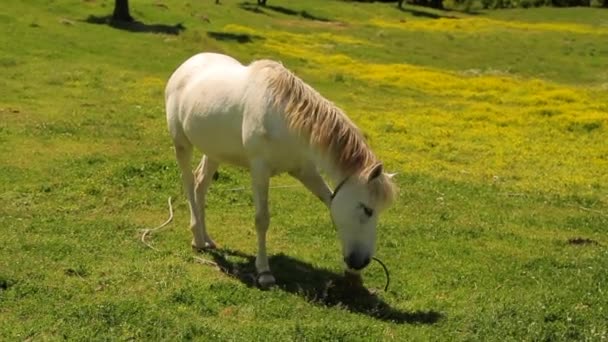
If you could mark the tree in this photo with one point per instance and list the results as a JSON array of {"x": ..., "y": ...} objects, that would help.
[{"x": 121, "y": 11}]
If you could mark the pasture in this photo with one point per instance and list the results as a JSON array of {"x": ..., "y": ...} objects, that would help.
[{"x": 496, "y": 123}]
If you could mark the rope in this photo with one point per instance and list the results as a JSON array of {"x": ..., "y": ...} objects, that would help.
[
  {"x": 388, "y": 278},
  {"x": 149, "y": 231},
  {"x": 146, "y": 232}
]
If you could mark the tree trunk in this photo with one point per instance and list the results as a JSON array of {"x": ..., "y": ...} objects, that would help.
[
  {"x": 400, "y": 3},
  {"x": 121, "y": 11}
]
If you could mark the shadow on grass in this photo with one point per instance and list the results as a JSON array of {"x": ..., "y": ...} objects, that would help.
[
  {"x": 279, "y": 9},
  {"x": 235, "y": 37},
  {"x": 426, "y": 14},
  {"x": 135, "y": 26},
  {"x": 319, "y": 286},
  {"x": 5, "y": 283},
  {"x": 431, "y": 13},
  {"x": 247, "y": 6}
]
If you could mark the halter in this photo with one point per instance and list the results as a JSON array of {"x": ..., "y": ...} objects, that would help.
[{"x": 338, "y": 188}]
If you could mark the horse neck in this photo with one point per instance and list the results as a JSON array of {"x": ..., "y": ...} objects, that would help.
[
  {"x": 329, "y": 164},
  {"x": 330, "y": 167}
]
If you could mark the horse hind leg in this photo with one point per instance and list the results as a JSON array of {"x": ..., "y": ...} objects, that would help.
[
  {"x": 183, "y": 154},
  {"x": 204, "y": 176}
]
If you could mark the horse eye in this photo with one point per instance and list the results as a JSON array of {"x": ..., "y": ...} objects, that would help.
[{"x": 369, "y": 212}]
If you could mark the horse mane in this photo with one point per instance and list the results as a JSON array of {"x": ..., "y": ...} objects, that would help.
[{"x": 324, "y": 126}]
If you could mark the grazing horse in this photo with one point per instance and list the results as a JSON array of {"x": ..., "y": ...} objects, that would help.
[{"x": 264, "y": 118}]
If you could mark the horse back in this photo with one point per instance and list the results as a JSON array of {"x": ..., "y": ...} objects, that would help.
[{"x": 223, "y": 108}]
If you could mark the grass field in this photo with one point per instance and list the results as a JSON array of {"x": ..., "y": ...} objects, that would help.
[{"x": 497, "y": 124}]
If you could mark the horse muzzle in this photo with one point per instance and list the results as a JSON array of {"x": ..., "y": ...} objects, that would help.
[{"x": 357, "y": 261}]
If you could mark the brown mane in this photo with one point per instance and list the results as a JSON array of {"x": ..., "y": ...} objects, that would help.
[{"x": 323, "y": 124}]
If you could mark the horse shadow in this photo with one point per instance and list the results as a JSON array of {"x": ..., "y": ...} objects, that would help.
[
  {"x": 319, "y": 286},
  {"x": 135, "y": 26}
]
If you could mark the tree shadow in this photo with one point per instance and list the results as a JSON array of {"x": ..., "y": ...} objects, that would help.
[
  {"x": 319, "y": 286},
  {"x": 427, "y": 11},
  {"x": 247, "y": 6},
  {"x": 425, "y": 14},
  {"x": 135, "y": 26},
  {"x": 235, "y": 37},
  {"x": 279, "y": 9}
]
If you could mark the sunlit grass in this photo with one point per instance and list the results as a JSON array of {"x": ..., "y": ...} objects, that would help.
[
  {"x": 486, "y": 127},
  {"x": 483, "y": 25},
  {"x": 497, "y": 129}
]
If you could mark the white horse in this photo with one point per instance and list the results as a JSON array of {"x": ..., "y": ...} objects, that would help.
[{"x": 264, "y": 118}]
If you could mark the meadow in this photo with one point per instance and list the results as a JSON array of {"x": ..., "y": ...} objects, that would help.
[{"x": 496, "y": 123}]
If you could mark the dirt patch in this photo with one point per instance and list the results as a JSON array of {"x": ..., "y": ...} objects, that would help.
[
  {"x": 5, "y": 283},
  {"x": 579, "y": 241}
]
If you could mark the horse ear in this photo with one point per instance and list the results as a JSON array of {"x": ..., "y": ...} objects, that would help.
[{"x": 376, "y": 172}]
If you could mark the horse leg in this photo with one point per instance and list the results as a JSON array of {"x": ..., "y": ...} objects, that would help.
[
  {"x": 260, "y": 179},
  {"x": 183, "y": 154},
  {"x": 204, "y": 176},
  {"x": 312, "y": 180}
]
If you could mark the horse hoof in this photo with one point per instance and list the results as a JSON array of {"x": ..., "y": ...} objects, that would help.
[
  {"x": 206, "y": 246},
  {"x": 266, "y": 280}
]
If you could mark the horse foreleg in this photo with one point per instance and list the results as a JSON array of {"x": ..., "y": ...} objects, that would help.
[
  {"x": 204, "y": 176},
  {"x": 313, "y": 181},
  {"x": 260, "y": 178}
]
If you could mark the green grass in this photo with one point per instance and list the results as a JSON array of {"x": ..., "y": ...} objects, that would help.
[{"x": 494, "y": 182}]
